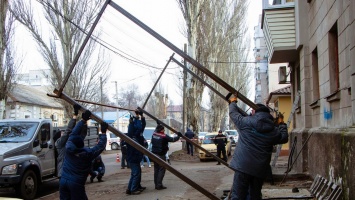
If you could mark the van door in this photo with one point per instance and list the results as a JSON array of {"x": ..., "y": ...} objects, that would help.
[{"x": 44, "y": 149}]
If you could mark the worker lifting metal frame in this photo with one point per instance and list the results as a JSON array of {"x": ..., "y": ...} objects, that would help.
[{"x": 59, "y": 93}]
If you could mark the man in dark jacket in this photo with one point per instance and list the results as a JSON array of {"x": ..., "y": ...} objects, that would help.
[
  {"x": 97, "y": 169},
  {"x": 160, "y": 142},
  {"x": 220, "y": 141},
  {"x": 251, "y": 159},
  {"x": 60, "y": 143},
  {"x": 190, "y": 148},
  {"x": 78, "y": 159},
  {"x": 134, "y": 157}
]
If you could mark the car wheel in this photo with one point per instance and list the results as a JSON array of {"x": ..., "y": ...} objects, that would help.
[
  {"x": 114, "y": 146},
  {"x": 27, "y": 188}
]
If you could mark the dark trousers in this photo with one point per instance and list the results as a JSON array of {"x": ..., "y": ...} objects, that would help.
[
  {"x": 223, "y": 151},
  {"x": 136, "y": 176},
  {"x": 246, "y": 186},
  {"x": 190, "y": 148},
  {"x": 159, "y": 173},
  {"x": 99, "y": 173},
  {"x": 70, "y": 190}
]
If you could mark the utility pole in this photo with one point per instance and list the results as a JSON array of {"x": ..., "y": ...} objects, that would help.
[
  {"x": 184, "y": 93},
  {"x": 118, "y": 110}
]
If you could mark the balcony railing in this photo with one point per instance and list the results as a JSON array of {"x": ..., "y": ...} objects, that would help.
[{"x": 279, "y": 29}]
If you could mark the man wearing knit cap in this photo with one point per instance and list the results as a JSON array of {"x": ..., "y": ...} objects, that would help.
[
  {"x": 251, "y": 160},
  {"x": 160, "y": 145},
  {"x": 78, "y": 159}
]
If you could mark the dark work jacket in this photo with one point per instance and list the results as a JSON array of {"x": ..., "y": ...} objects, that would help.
[
  {"x": 257, "y": 136},
  {"x": 160, "y": 143},
  {"x": 78, "y": 161},
  {"x": 60, "y": 146},
  {"x": 220, "y": 141},
  {"x": 135, "y": 132},
  {"x": 189, "y": 134}
]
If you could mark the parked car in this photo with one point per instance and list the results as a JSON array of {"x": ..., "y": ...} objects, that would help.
[
  {"x": 208, "y": 144},
  {"x": 233, "y": 136},
  {"x": 201, "y": 136},
  {"x": 113, "y": 141}
]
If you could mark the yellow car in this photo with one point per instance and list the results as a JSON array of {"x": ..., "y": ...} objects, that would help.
[{"x": 208, "y": 144}]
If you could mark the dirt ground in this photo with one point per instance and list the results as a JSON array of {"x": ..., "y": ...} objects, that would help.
[{"x": 214, "y": 178}]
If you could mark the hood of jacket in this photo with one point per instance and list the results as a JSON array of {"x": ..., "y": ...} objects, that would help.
[{"x": 264, "y": 122}]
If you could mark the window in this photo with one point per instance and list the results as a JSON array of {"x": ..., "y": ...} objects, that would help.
[
  {"x": 315, "y": 75},
  {"x": 333, "y": 59}
]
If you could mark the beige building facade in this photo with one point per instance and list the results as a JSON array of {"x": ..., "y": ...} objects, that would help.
[{"x": 317, "y": 39}]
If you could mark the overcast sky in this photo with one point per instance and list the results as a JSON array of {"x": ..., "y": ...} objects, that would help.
[{"x": 163, "y": 16}]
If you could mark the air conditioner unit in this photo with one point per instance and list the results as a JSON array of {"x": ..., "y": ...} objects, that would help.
[{"x": 282, "y": 75}]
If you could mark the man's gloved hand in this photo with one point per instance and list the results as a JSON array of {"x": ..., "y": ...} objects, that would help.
[
  {"x": 86, "y": 115},
  {"x": 76, "y": 109},
  {"x": 104, "y": 127},
  {"x": 231, "y": 97},
  {"x": 140, "y": 112},
  {"x": 179, "y": 134}
]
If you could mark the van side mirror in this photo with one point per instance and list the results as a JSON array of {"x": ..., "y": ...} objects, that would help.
[{"x": 35, "y": 143}]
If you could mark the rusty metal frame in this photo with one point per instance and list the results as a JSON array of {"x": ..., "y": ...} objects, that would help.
[{"x": 184, "y": 55}]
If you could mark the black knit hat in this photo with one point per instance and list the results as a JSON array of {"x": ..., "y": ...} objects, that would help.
[
  {"x": 159, "y": 128},
  {"x": 78, "y": 141},
  {"x": 262, "y": 108}
]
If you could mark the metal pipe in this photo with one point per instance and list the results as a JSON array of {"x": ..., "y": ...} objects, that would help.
[
  {"x": 162, "y": 72},
  {"x": 206, "y": 84},
  {"x": 139, "y": 148},
  {"x": 82, "y": 47},
  {"x": 184, "y": 55}
]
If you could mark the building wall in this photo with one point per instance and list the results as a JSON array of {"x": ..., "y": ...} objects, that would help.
[
  {"x": 325, "y": 123},
  {"x": 22, "y": 110}
]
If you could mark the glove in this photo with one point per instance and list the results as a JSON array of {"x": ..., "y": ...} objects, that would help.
[
  {"x": 86, "y": 115},
  {"x": 76, "y": 109},
  {"x": 179, "y": 134},
  {"x": 104, "y": 127},
  {"x": 231, "y": 97},
  {"x": 140, "y": 112}
]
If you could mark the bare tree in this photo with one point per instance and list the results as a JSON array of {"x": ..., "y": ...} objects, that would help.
[
  {"x": 129, "y": 97},
  {"x": 68, "y": 21},
  {"x": 8, "y": 67},
  {"x": 215, "y": 31},
  {"x": 191, "y": 11}
]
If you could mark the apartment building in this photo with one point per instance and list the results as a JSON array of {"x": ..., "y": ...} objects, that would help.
[{"x": 316, "y": 39}]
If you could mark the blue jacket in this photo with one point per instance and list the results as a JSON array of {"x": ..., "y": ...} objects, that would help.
[
  {"x": 77, "y": 161},
  {"x": 189, "y": 134},
  {"x": 257, "y": 136},
  {"x": 135, "y": 132}
]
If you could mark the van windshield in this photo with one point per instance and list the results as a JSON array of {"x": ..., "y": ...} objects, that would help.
[{"x": 17, "y": 131}]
